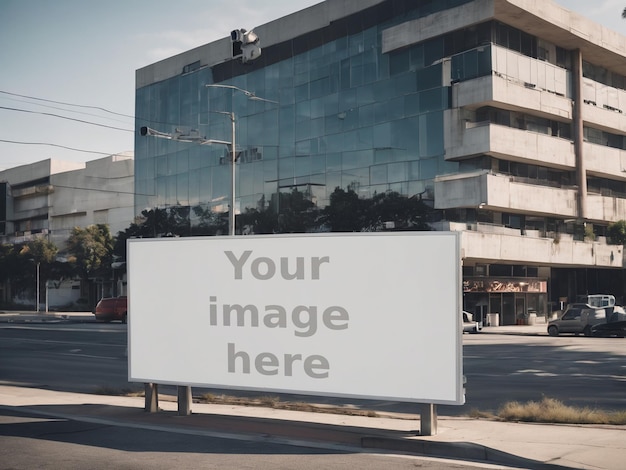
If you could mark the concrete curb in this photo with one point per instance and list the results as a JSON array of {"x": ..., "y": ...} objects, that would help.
[
  {"x": 519, "y": 445},
  {"x": 43, "y": 317},
  {"x": 466, "y": 451}
]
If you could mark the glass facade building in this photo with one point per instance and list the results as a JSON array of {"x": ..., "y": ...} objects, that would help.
[
  {"x": 502, "y": 118},
  {"x": 343, "y": 115}
]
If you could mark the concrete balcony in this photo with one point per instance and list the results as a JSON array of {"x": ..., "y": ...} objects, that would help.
[
  {"x": 484, "y": 244},
  {"x": 507, "y": 92},
  {"x": 602, "y": 208},
  {"x": 604, "y": 106},
  {"x": 605, "y": 119},
  {"x": 464, "y": 139},
  {"x": 30, "y": 191},
  {"x": 492, "y": 191},
  {"x": 604, "y": 161}
]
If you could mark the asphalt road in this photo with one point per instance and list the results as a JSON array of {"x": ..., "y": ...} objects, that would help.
[
  {"x": 29, "y": 440},
  {"x": 91, "y": 357},
  {"x": 581, "y": 371}
]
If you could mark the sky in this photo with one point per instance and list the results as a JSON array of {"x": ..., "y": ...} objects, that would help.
[{"x": 67, "y": 67}]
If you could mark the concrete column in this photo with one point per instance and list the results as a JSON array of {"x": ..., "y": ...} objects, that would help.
[
  {"x": 184, "y": 400},
  {"x": 428, "y": 420},
  {"x": 577, "y": 128},
  {"x": 151, "y": 397}
]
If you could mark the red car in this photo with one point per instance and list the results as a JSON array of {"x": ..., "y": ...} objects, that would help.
[{"x": 112, "y": 308}]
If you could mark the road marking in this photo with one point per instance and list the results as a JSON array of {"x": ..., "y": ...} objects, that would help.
[{"x": 88, "y": 355}]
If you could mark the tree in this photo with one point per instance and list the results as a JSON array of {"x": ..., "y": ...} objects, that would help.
[
  {"x": 40, "y": 250},
  {"x": 617, "y": 232},
  {"x": 170, "y": 222},
  {"x": 403, "y": 213},
  {"x": 291, "y": 212},
  {"x": 210, "y": 222},
  {"x": 20, "y": 263},
  {"x": 349, "y": 213},
  {"x": 10, "y": 262},
  {"x": 91, "y": 249},
  {"x": 256, "y": 221},
  {"x": 346, "y": 211},
  {"x": 624, "y": 13},
  {"x": 296, "y": 213},
  {"x": 15, "y": 272}
]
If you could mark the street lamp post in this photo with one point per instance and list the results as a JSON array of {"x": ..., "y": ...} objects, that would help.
[
  {"x": 194, "y": 137},
  {"x": 37, "y": 289},
  {"x": 233, "y": 158}
]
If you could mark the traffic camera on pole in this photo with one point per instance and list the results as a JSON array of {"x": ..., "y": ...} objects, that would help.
[{"x": 246, "y": 45}]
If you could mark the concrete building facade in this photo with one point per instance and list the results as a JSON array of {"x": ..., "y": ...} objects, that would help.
[
  {"x": 49, "y": 198},
  {"x": 507, "y": 116}
]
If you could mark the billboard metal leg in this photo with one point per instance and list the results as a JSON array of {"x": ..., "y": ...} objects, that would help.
[
  {"x": 428, "y": 420},
  {"x": 151, "y": 393},
  {"x": 184, "y": 400}
]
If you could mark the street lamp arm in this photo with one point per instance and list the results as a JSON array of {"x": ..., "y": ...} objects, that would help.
[
  {"x": 210, "y": 141},
  {"x": 249, "y": 94},
  {"x": 181, "y": 136}
]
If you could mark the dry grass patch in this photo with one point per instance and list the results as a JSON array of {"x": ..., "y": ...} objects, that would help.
[
  {"x": 550, "y": 410},
  {"x": 117, "y": 392},
  {"x": 275, "y": 403},
  {"x": 479, "y": 414}
]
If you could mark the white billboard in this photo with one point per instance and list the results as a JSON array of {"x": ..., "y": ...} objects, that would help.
[{"x": 349, "y": 315}]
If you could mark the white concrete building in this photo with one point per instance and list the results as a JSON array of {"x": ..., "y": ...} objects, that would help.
[{"x": 52, "y": 197}]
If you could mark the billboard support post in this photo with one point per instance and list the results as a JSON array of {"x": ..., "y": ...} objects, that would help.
[
  {"x": 184, "y": 400},
  {"x": 151, "y": 397},
  {"x": 428, "y": 420}
]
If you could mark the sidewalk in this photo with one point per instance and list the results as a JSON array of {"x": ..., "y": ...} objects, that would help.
[
  {"x": 535, "y": 446},
  {"x": 30, "y": 316},
  {"x": 539, "y": 328}
]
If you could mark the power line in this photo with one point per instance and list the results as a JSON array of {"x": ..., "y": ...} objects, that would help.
[
  {"x": 68, "y": 110},
  {"x": 66, "y": 104},
  {"x": 68, "y": 118},
  {"x": 56, "y": 145}
]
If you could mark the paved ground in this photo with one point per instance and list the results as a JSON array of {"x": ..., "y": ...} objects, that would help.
[{"x": 537, "y": 446}]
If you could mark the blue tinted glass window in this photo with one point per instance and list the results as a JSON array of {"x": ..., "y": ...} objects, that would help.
[
  {"x": 366, "y": 115},
  {"x": 428, "y": 168},
  {"x": 430, "y": 77},
  {"x": 333, "y": 162},
  {"x": 356, "y": 178},
  {"x": 433, "y": 50},
  {"x": 303, "y": 131},
  {"x": 411, "y": 104},
  {"x": 302, "y": 166},
  {"x": 432, "y": 100},
  {"x": 399, "y": 62},
  {"x": 382, "y": 135},
  {"x": 303, "y": 147},
  {"x": 484, "y": 60},
  {"x": 286, "y": 167},
  {"x": 397, "y": 172},
  {"x": 378, "y": 174},
  {"x": 416, "y": 57}
]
